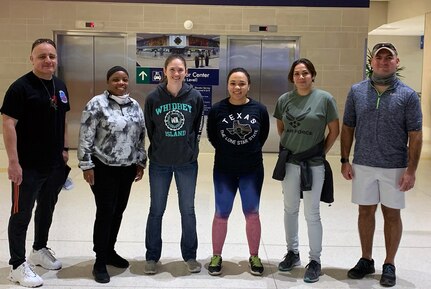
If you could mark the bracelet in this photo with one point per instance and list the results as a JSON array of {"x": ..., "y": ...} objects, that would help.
[{"x": 66, "y": 149}]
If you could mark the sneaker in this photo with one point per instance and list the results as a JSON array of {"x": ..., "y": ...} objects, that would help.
[
  {"x": 100, "y": 273},
  {"x": 214, "y": 268},
  {"x": 362, "y": 268},
  {"x": 150, "y": 267},
  {"x": 256, "y": 267},
  {"x": 45, "y": 258},
  {"x": 117, "y": 261},
  {"x": 25, "y": 276},
  {"x": 388, "y": 278},
  {"x": 68, "y": 184},
  {"x": 193, "y": 266},
  {"x": 312, "y": 272},
  {"x": 291, "y": 260}
]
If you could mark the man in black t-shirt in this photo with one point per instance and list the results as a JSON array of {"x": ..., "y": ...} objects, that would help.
[{"x": 34, "y": 132}]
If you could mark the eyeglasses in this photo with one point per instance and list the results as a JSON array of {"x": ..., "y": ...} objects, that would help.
[{"x": 43, "y": 40}]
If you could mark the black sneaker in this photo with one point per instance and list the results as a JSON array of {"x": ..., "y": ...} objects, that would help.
[
  {"x": 362, "y": 268},
  {"x": 256, "y": 266},
  {"x": 100, "y": 273},
  {"x": 388, "y": 278},
  {"x": 117, "y": 261},
  {"x": 214, "y": 268},
  {"x": 312, "y": 272},
  {"x": 291, "y": 260}
]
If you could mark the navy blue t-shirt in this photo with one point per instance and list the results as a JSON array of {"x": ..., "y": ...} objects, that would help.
[{"x": 238, "y": 133}]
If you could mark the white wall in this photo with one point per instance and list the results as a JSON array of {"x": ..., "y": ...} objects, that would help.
[{"x": 410, "y": 54}]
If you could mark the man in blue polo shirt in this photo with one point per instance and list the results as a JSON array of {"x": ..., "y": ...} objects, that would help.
[{"x": 385, "y": 117}]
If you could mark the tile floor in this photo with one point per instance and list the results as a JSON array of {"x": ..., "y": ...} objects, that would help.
[{"x": 71, "y": 238}]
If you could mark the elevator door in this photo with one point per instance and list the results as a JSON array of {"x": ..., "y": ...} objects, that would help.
[
  {"x": 268, "y": 62},
  {"x": 83, "y": 63}
]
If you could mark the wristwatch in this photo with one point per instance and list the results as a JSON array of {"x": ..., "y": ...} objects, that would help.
[{"x": 344, "y": 160}]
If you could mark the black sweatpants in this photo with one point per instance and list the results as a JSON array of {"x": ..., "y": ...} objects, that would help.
[
  {"x": 111, "y": 191},
  {"x": 42, "y": 186}
]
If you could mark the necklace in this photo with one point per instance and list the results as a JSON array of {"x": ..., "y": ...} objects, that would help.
[{"x": 52, "y": 98}]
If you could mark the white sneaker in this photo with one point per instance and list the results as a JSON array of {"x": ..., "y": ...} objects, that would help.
[
  {"x": 45, "y": 258},
  {"x": 68, "y": 184},
  {"x": 25, "y": 276}
]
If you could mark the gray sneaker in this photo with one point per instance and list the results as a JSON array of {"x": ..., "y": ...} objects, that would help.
[
  {"x": 68, "y": 184},
  {"x": 290, "y": 260},
  {"x": 312, "y": 272},
  {"x": 193, "y": 266},
  {"x": 150, "y": 267}
]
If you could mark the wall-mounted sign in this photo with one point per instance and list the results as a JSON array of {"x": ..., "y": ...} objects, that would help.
[{"x": 201, "y": 53}]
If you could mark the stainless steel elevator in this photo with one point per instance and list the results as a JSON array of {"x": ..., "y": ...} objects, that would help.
[
  {"x": 84, "y": 59},
  {"x": 268, "y": 61},
  {"x": 83, "y": 62}
]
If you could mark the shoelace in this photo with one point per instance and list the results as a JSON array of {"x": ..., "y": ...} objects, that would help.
[
  {"x": 289, "y": 255},
  {"x": 255, "y": 261},
  {"x": 215, "y": 261},
  {"x": 49, "y": 253},
  {"x": 28, "y": 270},
  {"x": 363, "y": 264},
  {"x": 389, "y": 270},
  {"x": 312, "y": 265}
]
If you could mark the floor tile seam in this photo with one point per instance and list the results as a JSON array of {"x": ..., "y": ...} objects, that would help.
[
  {"x": 273, "y": 273},
  {"x": 305, "y": 246}
]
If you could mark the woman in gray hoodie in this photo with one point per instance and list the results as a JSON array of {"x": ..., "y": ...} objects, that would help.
[{"x": 173, "y": 118}]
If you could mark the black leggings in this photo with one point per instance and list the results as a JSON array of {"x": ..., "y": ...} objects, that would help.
[{"x": 111, "y": 191}]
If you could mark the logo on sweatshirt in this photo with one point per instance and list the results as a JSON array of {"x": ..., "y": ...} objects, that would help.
[
  {"x": 239, "y": 130},
  {"x": 174, "y": 121}
]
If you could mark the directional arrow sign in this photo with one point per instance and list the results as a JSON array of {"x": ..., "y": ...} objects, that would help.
[{"x": 143, "y": 75}]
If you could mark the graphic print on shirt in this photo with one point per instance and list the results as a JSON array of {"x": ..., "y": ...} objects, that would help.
[
  {"x": 239, "y": 129},
  {"x": 295, "y": 121},
  {"x": 63, "y": 97},
  {"x": 174, "y": 118}
]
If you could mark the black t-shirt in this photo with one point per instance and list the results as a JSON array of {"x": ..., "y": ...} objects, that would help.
[{"x": 40, "y": 107}]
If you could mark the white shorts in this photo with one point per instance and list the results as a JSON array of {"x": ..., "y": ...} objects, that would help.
[{"x": 371, "y": 186}]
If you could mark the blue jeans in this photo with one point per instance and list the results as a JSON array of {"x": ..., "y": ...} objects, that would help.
[{"x": 160, "y": 181}]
